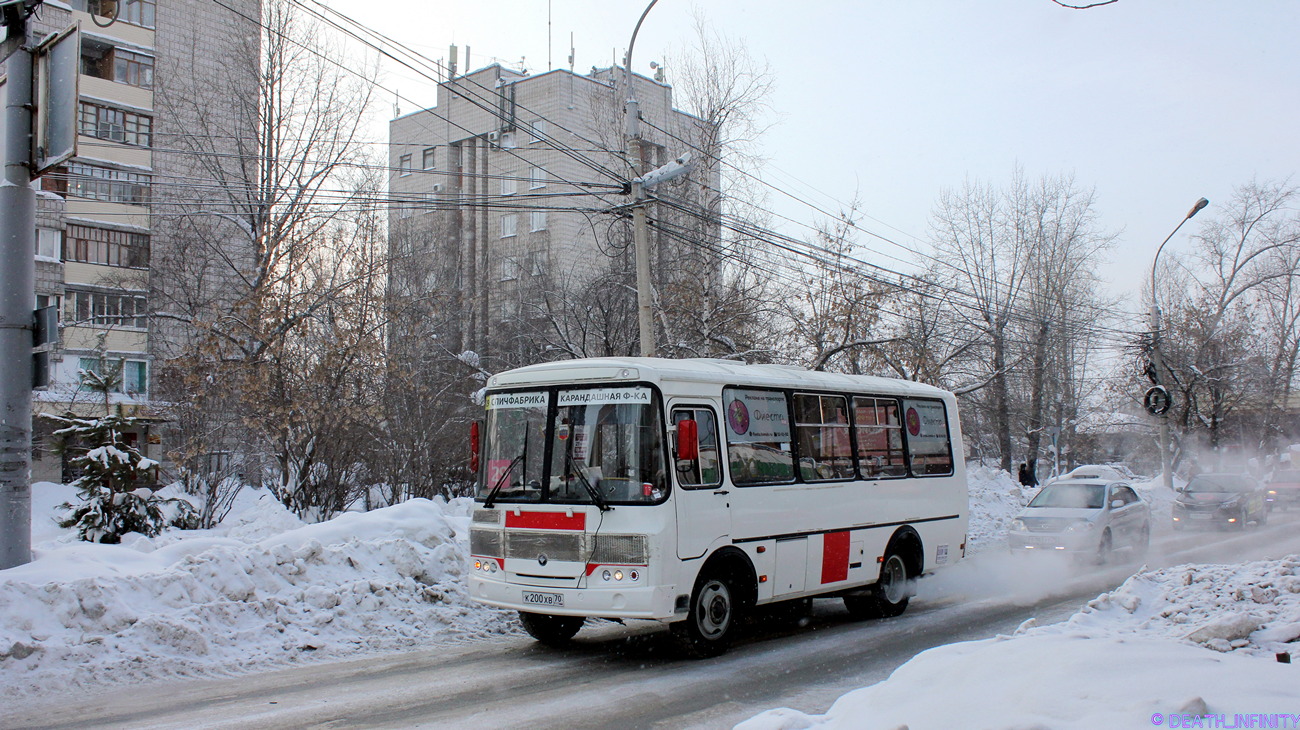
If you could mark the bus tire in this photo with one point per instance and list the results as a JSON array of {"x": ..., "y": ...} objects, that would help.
[
  {"x": 711, "y": 624},
  {"x": 889, "y": 596},
  {"x": 551, "y": 630}
]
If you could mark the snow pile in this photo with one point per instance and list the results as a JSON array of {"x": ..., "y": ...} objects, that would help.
[
  {"x": 247, "y": 597},
  {"x": 1250, "y": 608},
  {"x": 995, "y": 499},
  {"x": 1183, "y": 641},
  {"x": 1161, "y": 500}
]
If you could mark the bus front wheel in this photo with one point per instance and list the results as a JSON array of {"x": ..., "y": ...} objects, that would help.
[
  {"x": 711, "y": 624},
  {"x": 551, "y": 630}
]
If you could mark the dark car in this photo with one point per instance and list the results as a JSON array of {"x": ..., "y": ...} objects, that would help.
[
  {"x": 1283, "y": 490},
  {"x": 1220, "y": 500}
]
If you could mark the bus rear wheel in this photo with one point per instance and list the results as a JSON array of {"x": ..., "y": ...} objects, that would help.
[
  {"x": 888, "y": 597},
  {"x": 551, "y": 630},
  {"x": 711, "y": 624}
]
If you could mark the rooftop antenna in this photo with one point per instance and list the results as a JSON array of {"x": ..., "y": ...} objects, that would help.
[
  {"x": 397, "y": 104},
  {"x": 548, "y": 35},
  {"x": 451, "y": 67}
]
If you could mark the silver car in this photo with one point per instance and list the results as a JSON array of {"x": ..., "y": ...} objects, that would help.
[{"x": 1087, "y": 518}]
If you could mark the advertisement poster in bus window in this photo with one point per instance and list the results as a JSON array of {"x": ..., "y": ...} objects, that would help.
[
  {"x": 756, "y": 416},
  {"x": 927, "y": 427}
]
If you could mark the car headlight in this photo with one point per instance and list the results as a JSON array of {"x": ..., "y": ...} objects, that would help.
[
  {"x": 1018, "y": 525},
  {"x": 1079, "y": 526},
  {"x": 1231, "y": 502}
]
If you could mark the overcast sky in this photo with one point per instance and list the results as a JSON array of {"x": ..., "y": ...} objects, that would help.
[{"x": 1154, "y": 103}]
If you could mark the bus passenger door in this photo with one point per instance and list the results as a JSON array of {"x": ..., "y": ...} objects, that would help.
[{"x": 702, "y": 496}]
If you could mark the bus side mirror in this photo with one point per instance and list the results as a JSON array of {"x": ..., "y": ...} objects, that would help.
[
  {"x": 688, "y": 440},
  {"x": 474, "y": 441}
]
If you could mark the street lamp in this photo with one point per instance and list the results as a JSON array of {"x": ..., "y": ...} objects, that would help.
[
  {"x": 641, "y": 242},
  {"x": 1157, "y": 399}
]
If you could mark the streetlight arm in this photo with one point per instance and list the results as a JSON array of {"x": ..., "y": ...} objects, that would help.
[{"x": 1200, "y": 205}]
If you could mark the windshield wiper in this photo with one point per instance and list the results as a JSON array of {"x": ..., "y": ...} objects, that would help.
[
  {"x": 596, "y": 499},
  {"x": 492, "y": 495}
]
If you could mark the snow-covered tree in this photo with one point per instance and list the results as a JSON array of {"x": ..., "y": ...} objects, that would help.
[{"x": 116, "y": 480}]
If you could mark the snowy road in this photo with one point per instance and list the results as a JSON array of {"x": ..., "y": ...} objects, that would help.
[{"x": 631, "y": 677}]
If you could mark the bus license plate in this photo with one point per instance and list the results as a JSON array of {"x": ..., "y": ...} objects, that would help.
[{"x": 544, "y": 599}]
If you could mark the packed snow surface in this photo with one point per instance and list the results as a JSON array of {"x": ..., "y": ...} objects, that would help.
[
  {"x": 1189, "y": 646},
  {"x": 264, "y": 590}
]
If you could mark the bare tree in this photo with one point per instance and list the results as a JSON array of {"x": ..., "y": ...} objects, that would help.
[
  {"x": 990, "y": 253},
  {"x": 259, "y": 261},
  {"x": 1223, "y": 359}
]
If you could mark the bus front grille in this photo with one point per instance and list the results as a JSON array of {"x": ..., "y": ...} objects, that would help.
[
  {"x": 485, "y": 543},
  {"x": 572, "y": 547},
  {"x": 565, "y": 547},
  {"x": 619, "y": 550}
]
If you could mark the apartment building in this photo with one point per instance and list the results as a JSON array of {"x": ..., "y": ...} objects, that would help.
[
  {"x": 506, "y": 200},
  {"x": 98, "y": 236}
]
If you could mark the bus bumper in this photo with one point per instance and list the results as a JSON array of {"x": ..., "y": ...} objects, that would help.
[{"x": 650, "y": 602}]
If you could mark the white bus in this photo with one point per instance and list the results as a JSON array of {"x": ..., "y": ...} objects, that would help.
[{"x": 692, "y": 491}]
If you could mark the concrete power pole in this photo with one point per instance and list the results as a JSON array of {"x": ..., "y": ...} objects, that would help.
[
  {"x": 641, "y": 238},
  {"x": 1157, "y": 399},
  {"x": 17, "y": 287}
]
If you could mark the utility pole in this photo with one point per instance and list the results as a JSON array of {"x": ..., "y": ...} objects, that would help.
[
  {"x": 1157, "y": 399},
  {"x": 640, "y": 236},
  {"x": 17, "y": 287}
]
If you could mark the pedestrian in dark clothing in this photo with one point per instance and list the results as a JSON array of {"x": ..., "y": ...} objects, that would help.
[
  {"x": 1024, "y": 475},
  {"x": 1031, "y": 473}
]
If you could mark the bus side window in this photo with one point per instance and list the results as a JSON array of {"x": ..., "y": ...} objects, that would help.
[
  {"x": 705, "y": 471},
  {"x": 880, "y": 437}
]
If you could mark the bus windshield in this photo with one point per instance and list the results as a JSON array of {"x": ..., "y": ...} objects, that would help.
[{"x": 605, "y": 445}]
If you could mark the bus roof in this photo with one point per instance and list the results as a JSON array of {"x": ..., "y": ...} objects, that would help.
[{"x": 703, "y": 370}]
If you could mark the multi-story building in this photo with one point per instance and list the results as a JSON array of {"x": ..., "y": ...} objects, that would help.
[
  {"x": 98, "y": 240},
  {"x": 509, "y": 214}
]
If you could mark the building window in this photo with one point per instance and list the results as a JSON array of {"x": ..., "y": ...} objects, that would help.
[
  {"x": 135, "y": 12},
  {"x": 404, "y": 165},
  {"x": 47, "y": 243},
  {"x": 508, "y": 186},
  {"x": 430, "y": 158},
  {"x": 537, "y": 131},
  {"x": 104, "y": 246},
  {"x": 536, "y": 178},
  {"x": 508, "y": 225},
  {"x": 536, "y": 263},
  {"x": 87, "y": 308},
  {"x": 104, "y": 61},
  {"x": 133, "y": 69},
  {"x": 49, "y": 300},
  {"x": 116, "y": 124},
  {"x": 133, "y": 375},
  {"x": 509, "y": 268},
  {"x": 107, "y": 184},
  {"x": 537, "y": 220}
]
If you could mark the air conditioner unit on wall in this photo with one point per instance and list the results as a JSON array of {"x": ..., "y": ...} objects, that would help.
[
  {"x": 494, "y": 136},
  {"x": 437, "y": 187}
]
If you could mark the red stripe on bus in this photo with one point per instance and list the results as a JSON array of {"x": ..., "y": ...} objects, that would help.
[
  {"x": 546, "y": 520},
  {"x": 835, "y": 556}
]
